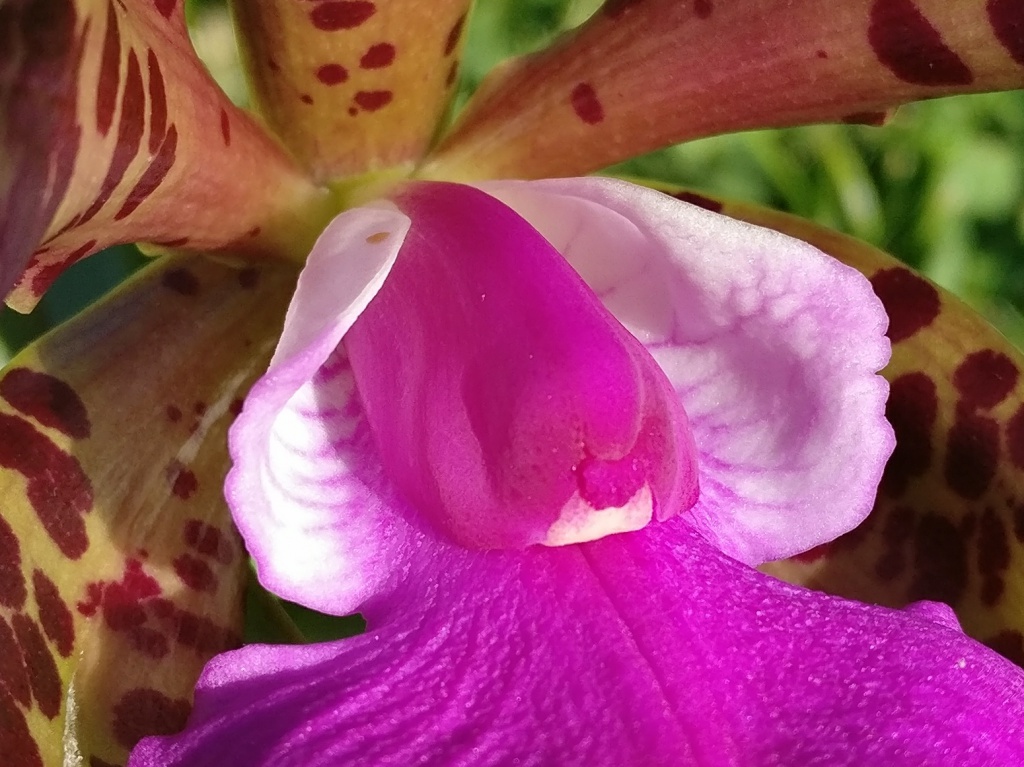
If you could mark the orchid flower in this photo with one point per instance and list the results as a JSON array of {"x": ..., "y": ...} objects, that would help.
[{"x": 537, "y": 432}]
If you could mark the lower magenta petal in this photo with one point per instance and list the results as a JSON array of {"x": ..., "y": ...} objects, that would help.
[{"x": 581, "y": 655}]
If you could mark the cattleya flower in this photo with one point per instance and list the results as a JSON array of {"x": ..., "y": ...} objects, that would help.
[{"x": 536, "y": 432}]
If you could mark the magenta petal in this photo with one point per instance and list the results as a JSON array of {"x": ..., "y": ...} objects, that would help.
[
  {"x": 509, "y": 406},
  {"x": 304, "y": 489},
  {"x": 772, "y": 345},
  {"x": 585, "y": 655}
]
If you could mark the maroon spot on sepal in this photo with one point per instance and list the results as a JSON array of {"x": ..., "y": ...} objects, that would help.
[
  {"x": 911, "y": 409},
  {"x": 166, "y": 7},
  {"x": 181, "y": 281},
  {"x": 993, "y": 556},
  {"x": 235, "y": 408},
  {"x": 371, "y": 101},
  {"x": 821, "y": 54},
  {"x": 208, "y": 541},
  {"x": 703, "y": 9},
  {"x": 1018, "y": 522},
  {"x": 182, "y": 480},
  {"x": 110, "y": 74},
  {"x": 13, "y": 590},
  {"x": 145, "y": 711},
  {"x": 334, "y": 15},
  {"x": 378, "y": 56},
  {"x": 58, "y": 490},
  {"x": 157, "y": 103},
  {"x": 985, "y": 378},
  {"x": 44, "y": 278},
  {"x": 585, "y": 104},
  {"x": 1015, "y": 438},
  {"x": 48, "y": 400},
  {"x": 195, "y": 573},
  {"x": 908, "y": 45},
  {"x": 911, "y": 302},
  {"x": 225, "y": 126},
  {"x": 331, "y": 74},
  {"x": 940, "y": 561},
  {"x": 42, "y": 669},
  {"x": 173, "y": 413},
  {"x": 1007, "y": 20},
  {"x": 177, "y": 243},
  {"x": 153, "y": 176},
  {"x": 16, "y": 741},
  {"x": 972, "y": 453},
  {"x": 700, "y": 201},
  {"x": 13, "y": 674},
  {"x": 58, "y": 623},
  {"x": 453, "y": 72},
  {"x": 454, "y": 35},
  {"x": 305, "y": 98}
]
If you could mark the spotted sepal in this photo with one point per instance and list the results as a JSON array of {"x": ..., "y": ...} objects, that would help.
[
  {"x": 948, "y": 522},
  {"x": 120, "y": 571},
  {"x": 351, "y": 86},
  {"x": 641, "y": 74},
  {"x": 112, "y": 131}
]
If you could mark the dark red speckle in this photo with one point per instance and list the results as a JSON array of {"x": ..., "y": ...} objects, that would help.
[
  {"x": 586, "y": 104},
  {"x": 173, "y": 413},
  {"x": 911, "y": 48},
  {"x": 54, "y": 614},
  {"x": 341, "y": 14},
  {"x": 195, "y": 573},
  {"x": 176, "y": 243},
  {"x": 181, "y": 281},
  {"x": 703, "y": 8},
  {"x": 911, "y": 409},
  {"x": 16, "y": 742},
  {"x": 199, "y": 407},
  {"x": 972, "y": 453},
  {"x": 235, "y": 408},
  {"x": 166, "y": 7},
  {"x": 378, "y": 56},
  {"x": 305, "y": 98},
  {"x": 13, "y": 674},
  {"x": 12, "y": 582},
  {"x": 42, "y": 669},
  {"x": 249, "y": 278},
  {"x": 911, "y": 302},
  {"x": 225, "y": 127},
  {"x": 157, "y": 102},
  {"x": 700, "y": 201},
  {"x": 331, "y": 74},
  {"x": 182, "y": 480},
  {"x": 940, "y": 561},
  {"x": 58, "y": 489},
  {"x": 110, "y": 73},
  {"x": 353, "y": 111},
  {"x": 453, "y": 72},
  {"x": 993, "y": 556},
  {"x": 371, "y": 101},
  {"x": 985, "y": 378},
  {"x": 1007, "y": 20},
  {"x": 1015, "y": 438},
  {"x": 144, "y": 711},
  {"x": 48, "y": 400},
  {"x": 454, "y": 35},
  {"x": 208, "y": 541},
  {"x": 821, "y": 54},
  {"x": 153, "y": 176}
]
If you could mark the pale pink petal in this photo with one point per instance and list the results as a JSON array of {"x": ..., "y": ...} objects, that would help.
[
  {"x": 772, "y": 345},
  {"x": 301, "y": 489}
]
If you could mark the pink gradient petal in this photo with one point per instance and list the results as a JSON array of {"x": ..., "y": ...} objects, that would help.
[
  {"x": 302, "y": 489},
  {"x": 650, "y": 648},
  {"x": 772, "y": 345},
  {"x": 507, "y": 404}
]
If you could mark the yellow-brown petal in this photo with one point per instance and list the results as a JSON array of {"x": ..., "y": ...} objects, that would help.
[
  {"x": 352, "y": 86},
  {"x": 641, "y": 74},
  {"x": 948, "y": 523},
  {"x": 120, "y": 571},
  {"x": 112, "y": 131}
]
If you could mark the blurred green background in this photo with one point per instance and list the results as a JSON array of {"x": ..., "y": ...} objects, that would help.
[{"x": 941, "y": 186}]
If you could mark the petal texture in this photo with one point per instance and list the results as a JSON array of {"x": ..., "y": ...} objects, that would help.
[
  {"x": 305, "y": 485},
  {"x": 772, "y": 346},
  {"x": 583, "y": 655}
]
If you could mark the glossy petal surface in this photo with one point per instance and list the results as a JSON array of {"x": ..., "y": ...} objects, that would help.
[
  {"x": 112, "y": 131},
  {"x": 581, "y": 655},
  {"x": 772, "y": 346},
  {"x": 642, "y": 74},
  {"x": 352, "y": 86},
  {"x": 120, "y": 574}
]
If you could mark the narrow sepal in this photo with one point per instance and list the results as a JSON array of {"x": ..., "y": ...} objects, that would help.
[
  {"x": 120, "y": 572},
  {"x": 948, "y": 523},
  {"x": 352, "y": 86},
  {"x": 112, "y": 131},
  {"x": 641, "y": 74}
]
